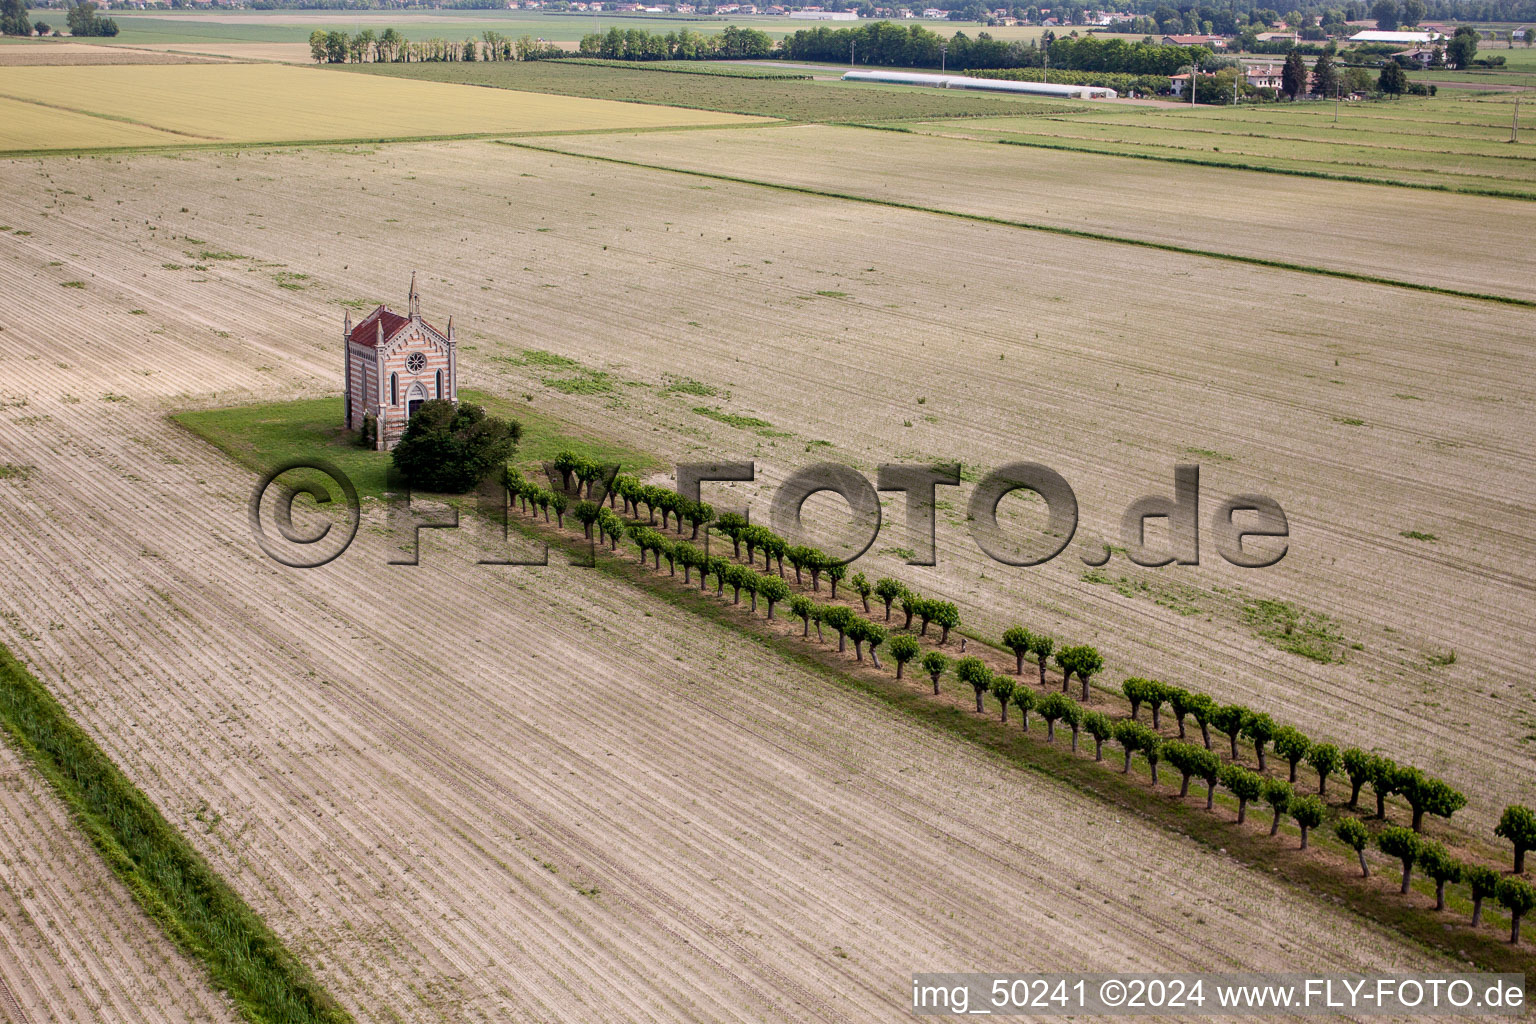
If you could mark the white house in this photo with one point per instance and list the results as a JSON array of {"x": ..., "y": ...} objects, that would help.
[
  {"x": 1263, "y": 76},
  {"x": 1403, "y": 38}
]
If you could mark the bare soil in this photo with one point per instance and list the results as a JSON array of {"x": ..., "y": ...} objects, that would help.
[
  {"x": 73, "y": 943},
  {"x": 536, "y": 794}
]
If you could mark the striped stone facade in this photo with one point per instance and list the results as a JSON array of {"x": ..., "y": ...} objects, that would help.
[{"x": 393, "y": 363}]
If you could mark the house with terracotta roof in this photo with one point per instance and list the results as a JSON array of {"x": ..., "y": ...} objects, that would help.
[
  {"x": 393, "y": 363},
  {"x": 1213, "y": 42},
  {"x": 1264, "y": 76},
  {"x": 1423, "y": 56}
]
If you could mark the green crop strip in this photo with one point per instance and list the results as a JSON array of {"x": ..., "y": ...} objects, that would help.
[
  {"x": 1051, "y": 229},
  {"x": 169, "y": 879}
]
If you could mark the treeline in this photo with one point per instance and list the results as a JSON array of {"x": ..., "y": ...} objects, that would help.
[
  {"x": 389, "y": 46},
  {"x": 886, "y": 44},
  {"x": 1090, "y": 53},
  {"x": 1174, "y": 16},
  {"x": 639, "y": 45},
  {"x": 82, "y": 18},
  {"x": 695, "y": 68},
  {"x": 1121, "y": 83},
  {"x": 664, "y": 527},
  {"x": 84, "y": 21},
  {"x": 13, "y": 18}
]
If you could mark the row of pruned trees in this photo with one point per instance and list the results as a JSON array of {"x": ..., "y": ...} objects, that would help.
[
  {"x": 1424, "y": 794},
  {"x": 1082, "y": 660},
  {"x": 1198, "y": 761},
  {"x": 676, "y": 543},
  {"x": 1412, "y": 850}
]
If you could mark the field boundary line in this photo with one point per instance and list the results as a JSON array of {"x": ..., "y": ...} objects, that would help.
[
  {"x": 1293, "y": 172},
  {"x": 220, "y": 146},
  {"x": 169, "y": 879},
  {"x": 105, "y": 117},
  {"x": 1195, "y": 130},
  {"x": 1095, "y": 236}
]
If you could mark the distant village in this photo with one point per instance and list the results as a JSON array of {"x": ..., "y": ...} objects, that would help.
[
  {"x": 1402, "y": 37},
  {"x": 1273, "y": 33}
]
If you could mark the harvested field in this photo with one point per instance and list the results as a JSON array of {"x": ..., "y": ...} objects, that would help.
[
  {"x": 791, "y": 100},
  {"x": 716, "y": 845},
  {"x": 259, "y": 103},
  {"x": 26, "y": 126},
  {"x": 73, "y": 944},
  {"x": 482, "y": 794},
  {"x": 1455, "y": 143},
  {"x": 1346, "y": 227},
  {"x": 1399, "y": 408},
  {"x": 85, "y": 54},
  {"x": 283, "y": 53}
]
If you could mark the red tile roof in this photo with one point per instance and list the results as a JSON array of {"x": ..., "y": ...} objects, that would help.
[{"x": 366, "y": 333}]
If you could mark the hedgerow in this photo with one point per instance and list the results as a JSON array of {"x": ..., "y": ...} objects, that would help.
[
  {"x": 1118, "y": 81},
  {"x": 167, "y": 877}
]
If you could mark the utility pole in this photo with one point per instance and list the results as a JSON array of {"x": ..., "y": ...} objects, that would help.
[
  {"x": 1045, "y": 51},
  {"x": 1514, "y": 129},
  {"x": 850, "y": 53},
  {"x": 1338, "y": 87},
  {"x": 943, "y": 57}
]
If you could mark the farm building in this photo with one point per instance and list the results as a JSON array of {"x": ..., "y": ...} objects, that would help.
[
  {"x": 1076, "y": 92},
  {"x": 1405, "y": 38},
  {"x": 1264, "y": 76},
  {"x": 1213, "y": 42},
  {"x": 393, "y": 364},
  {"x": 1423, "y": 56},
  {"x": 824, "y": 15}
]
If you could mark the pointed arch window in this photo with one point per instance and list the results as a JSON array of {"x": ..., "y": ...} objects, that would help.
[
  {"x": 439, "y": 383},
  {"x": 394, "y": 389}
]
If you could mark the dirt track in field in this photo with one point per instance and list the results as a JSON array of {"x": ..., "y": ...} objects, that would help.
[
  {"x": 533, "y": 794},
  {"x": 73, "y": 943}
]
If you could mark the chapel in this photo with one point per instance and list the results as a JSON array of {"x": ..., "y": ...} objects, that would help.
[{"x": 394, "y": 363}]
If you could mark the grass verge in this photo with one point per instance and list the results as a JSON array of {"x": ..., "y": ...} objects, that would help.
[
  {"x": 169, "y": 879},
  {"x": 263, "y": 436}
]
